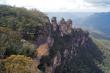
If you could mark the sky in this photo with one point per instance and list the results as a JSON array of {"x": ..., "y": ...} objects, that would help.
[{"x": 62, "y": 5}]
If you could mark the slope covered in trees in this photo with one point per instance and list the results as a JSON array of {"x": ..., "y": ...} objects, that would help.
[
  {"x": 19, "y": 29},
  {"x": 104, "y": 46}
]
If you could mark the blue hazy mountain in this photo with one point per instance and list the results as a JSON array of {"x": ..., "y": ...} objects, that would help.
[{"x": 99, "y": 22}]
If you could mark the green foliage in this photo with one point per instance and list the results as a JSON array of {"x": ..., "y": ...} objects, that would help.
[
  {"x": 22, "y": 20},
  {"x": 12, "y": 43},
  {"x": 2, "y": 69},
  {"x": 9, "y": 41},
  {"x": 17, "y": 24},
  {"x": 105, "y": 48},
  {"x": 20, "y": 17},
  {"x": 27, "y": 49}
]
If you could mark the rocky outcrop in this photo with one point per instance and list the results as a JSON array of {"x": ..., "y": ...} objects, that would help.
[
  {"x": 68, "y": 50},
  {"x": 64, "y": 27}
]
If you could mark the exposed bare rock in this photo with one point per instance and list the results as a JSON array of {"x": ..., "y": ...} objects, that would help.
[
  {"x": 63, "y": 27},
  {"x": 69, "y": 26},
  {"x": 54, "y": 24}
]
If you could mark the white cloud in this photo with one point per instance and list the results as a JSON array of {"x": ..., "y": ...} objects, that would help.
[
  {"x": 101, "y": 3},
  {"x": 2, "y": 1},
  {"x": 56, "y": 5}
]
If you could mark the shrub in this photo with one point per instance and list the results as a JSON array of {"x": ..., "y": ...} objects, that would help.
[{"x": 20, "y": 64}]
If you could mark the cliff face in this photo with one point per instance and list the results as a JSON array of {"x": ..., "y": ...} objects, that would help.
[
  {"x": 72, "y": 52},
  {"x": 77, "y": 53}
]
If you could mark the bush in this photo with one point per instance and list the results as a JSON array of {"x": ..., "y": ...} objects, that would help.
[{"x": 20, "y": 64}]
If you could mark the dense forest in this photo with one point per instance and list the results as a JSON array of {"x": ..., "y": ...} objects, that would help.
[
  {"x": 31, "y": 43},
  {"x": 17, "y": 38}
]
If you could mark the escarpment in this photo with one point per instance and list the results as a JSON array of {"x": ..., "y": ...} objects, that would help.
[{"x": 70, "y": 50}]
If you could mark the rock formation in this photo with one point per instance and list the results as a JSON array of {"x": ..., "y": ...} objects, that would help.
[
  {"x": 54, "y": 24},
  {"x": 62, "y": 26},
  {"x": 64, "y": 48},
  {"x": 69, "y": 26}
]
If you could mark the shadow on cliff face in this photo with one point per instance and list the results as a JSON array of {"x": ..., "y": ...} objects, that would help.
[
  {"x": 85, "y": 61},
  {"x": 89, "y": 56},
  {"x": 75, "y": 56}
]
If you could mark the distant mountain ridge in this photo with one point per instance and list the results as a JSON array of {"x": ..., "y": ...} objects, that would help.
[{"x": 98, "y": 22}]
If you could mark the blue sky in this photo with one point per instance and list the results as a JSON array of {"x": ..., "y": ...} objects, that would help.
[{"x": 62, "y": 5}]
